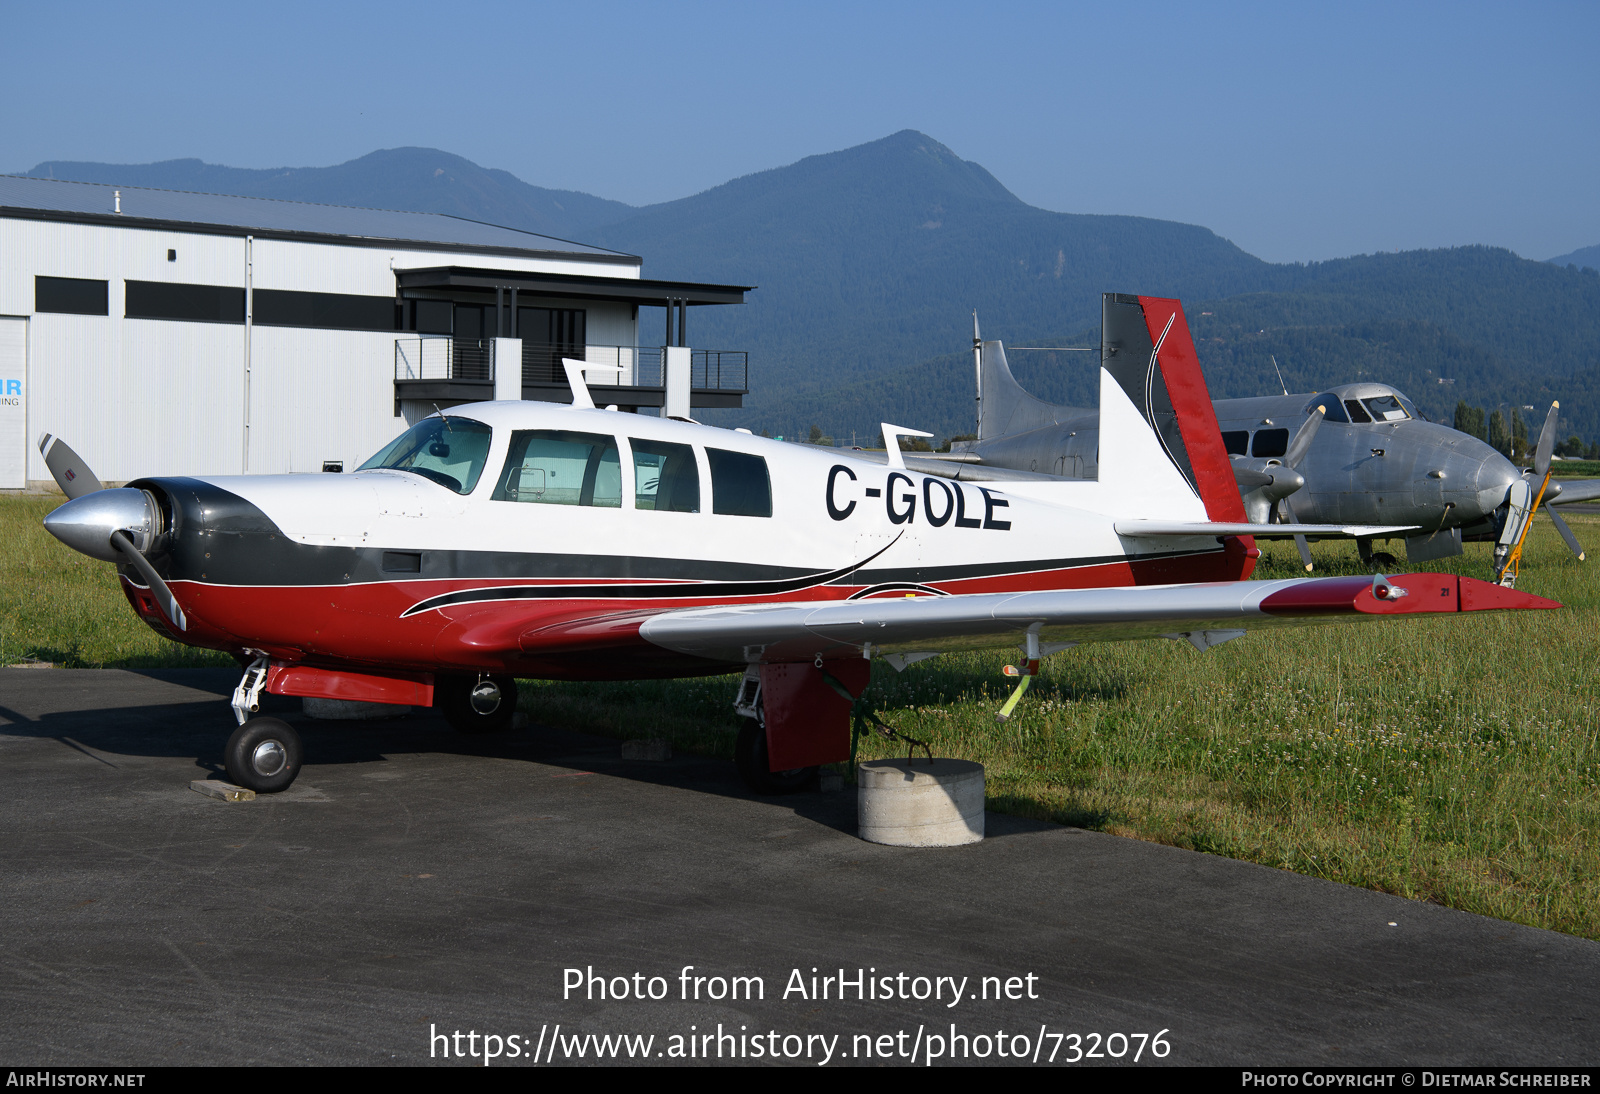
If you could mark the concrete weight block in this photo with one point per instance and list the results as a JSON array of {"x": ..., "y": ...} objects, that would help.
[{"x": 920, "y": 804}]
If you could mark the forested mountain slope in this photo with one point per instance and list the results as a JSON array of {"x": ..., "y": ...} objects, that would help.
[
  {"x": 871, "y": 260},
  {"x": 423, "y": 180}
]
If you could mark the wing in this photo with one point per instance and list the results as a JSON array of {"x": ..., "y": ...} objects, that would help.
[
  {"x": 1574, "y": 490},
  {"x": 795, "y": 632}
]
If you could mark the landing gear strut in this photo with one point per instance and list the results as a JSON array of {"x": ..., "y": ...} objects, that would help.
[
  {"x": 750, "y": 757},
  {"x": 264, "y": 753}
]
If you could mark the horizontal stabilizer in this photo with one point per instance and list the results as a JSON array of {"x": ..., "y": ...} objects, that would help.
[{"x": 1138, "y": 528}]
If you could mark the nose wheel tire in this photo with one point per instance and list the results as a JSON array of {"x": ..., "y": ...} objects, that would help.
[
  {"x": 750, "y": 757},
  {"x": 263, "y": 755},
  {"x": 473, "y": 705}
]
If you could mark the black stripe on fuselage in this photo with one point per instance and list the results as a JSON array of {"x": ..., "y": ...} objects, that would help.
[
  {"x": 218, "y": 537},
  {"x": 657, "y": 590}
]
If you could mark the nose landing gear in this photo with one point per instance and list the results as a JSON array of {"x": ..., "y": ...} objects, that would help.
[{"x": 264, "y": 753}]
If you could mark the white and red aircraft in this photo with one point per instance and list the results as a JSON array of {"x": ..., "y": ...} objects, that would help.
[{"x": 530, "y": 539}]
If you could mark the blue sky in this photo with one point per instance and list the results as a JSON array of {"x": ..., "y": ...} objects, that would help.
[{"x": 1300, "y": 132}]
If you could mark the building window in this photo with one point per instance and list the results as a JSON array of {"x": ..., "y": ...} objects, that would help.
[
  {"x": 561, "y": 467},
  {"x": 192, "y": 303},
  {"x": 548, "y": 335},
  {"x": 323, "y": 310},
  {"x": 740, "y": 486},
  {"x": 665, "y": 476},
  {"x": 70, "y": 295},
  {"x": 431, "y": 316}
]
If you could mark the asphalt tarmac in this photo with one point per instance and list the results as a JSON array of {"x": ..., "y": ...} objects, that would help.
[{"x": 415, "y": 883}]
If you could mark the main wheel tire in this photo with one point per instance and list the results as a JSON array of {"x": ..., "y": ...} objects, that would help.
[
  {"x": 750, "y": 757},
  {"x": 453, "y": 697},
  {"x": 263, "y": 755}
]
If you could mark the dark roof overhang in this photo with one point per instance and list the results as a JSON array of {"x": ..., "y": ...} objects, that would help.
[{"x": 623, "y": 290}]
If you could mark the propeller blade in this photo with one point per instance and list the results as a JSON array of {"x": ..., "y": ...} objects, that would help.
[
  {"x": 1566, "y": 533},
  {"x": 164, "y": 597},
  {"x": 67, "y": 468},
  {"x": 1547, "y": 442},
  {"x": 1301, "y": 444}
]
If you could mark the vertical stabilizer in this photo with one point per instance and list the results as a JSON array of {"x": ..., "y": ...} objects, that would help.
[
  {"x": 1004, "y": 408},
  {"x": 1159, "y": 442}
]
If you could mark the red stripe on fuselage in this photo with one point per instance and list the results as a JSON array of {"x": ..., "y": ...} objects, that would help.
[{"x": 361, "y": 626}]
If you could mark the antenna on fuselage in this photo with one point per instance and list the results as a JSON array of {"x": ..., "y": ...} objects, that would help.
[
  {"x": 977, "y": 365},
  {"x": 581, "y": 399},
  {"x": 1280, "y": 374}
]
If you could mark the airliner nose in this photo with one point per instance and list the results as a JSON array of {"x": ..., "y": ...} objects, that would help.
[
  {"x": 1494, "y": 478},
  {"x": 85, "y": 524}
]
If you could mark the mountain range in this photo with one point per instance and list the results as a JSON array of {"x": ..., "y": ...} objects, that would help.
[{"x": 871, "y": 261}]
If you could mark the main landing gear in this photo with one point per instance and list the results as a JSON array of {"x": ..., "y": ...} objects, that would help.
[
  {"x": 264, "y": 753},
  {"x": 750, "y": 757}
]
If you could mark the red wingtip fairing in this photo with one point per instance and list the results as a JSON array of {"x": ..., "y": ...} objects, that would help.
[{"x": 1405, "y": 594}]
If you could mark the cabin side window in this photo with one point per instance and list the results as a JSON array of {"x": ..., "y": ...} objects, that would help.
[
  {"x": 665, "y": 476},
  {"x": 1236, "y": 441},
  {"x": 1270, "y": 442},
  {"x": 740, "y": 486},
  {"x": 561, "y": 467}
]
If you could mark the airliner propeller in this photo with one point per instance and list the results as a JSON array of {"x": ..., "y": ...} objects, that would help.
[
  {"x": 1269, "y": 486},
  {"x": 1523, "y": 501},
  {"x": 117, "y": 525}
]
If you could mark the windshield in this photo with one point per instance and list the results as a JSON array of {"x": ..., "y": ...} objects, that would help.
[
  {"x": 1386, "y": 408},
  {"x": 451, "y": 451}
]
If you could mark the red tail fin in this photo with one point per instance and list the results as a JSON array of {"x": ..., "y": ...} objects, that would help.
[{"x": 1200, "y": 437}]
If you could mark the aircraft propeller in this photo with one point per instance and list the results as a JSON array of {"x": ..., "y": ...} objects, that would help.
[
  {"x": 1523, "y": 501},
  {"x": 1268, "y": 488},
  {"x": 113, "y": 525}
]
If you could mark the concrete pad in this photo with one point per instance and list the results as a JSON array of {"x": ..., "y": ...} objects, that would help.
[{"x": 441, "y": 882}]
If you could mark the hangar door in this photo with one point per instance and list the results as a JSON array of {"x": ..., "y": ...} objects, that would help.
[{"x": 13, "y": 404}]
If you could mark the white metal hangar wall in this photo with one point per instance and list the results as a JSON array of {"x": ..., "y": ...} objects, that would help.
[{"x": 170, "y": 333}]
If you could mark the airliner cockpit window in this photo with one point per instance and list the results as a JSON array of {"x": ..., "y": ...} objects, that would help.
[
  {"x": 1386, "y": 408},
  {"x": 449, "y": 450},
  {"x": 1358, "y": 413},
  {"x": 1333, "y": 410}
]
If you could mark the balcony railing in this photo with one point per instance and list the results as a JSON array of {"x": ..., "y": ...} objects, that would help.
[
  {"x": 441, "y": 358},
  {"x": 640, "y": 366}
]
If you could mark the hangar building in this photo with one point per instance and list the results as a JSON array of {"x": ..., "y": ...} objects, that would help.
[{"x": 161, "y": 332}]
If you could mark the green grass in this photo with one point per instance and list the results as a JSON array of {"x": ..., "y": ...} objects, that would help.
[
  {"x": 57, "y": 605},
  {"x": 1454, "y": 760}
]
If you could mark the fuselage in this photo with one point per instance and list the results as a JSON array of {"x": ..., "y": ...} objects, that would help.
[
  {"x": 517, "y": 548},
  {"x": 1360, "y": 469}
]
